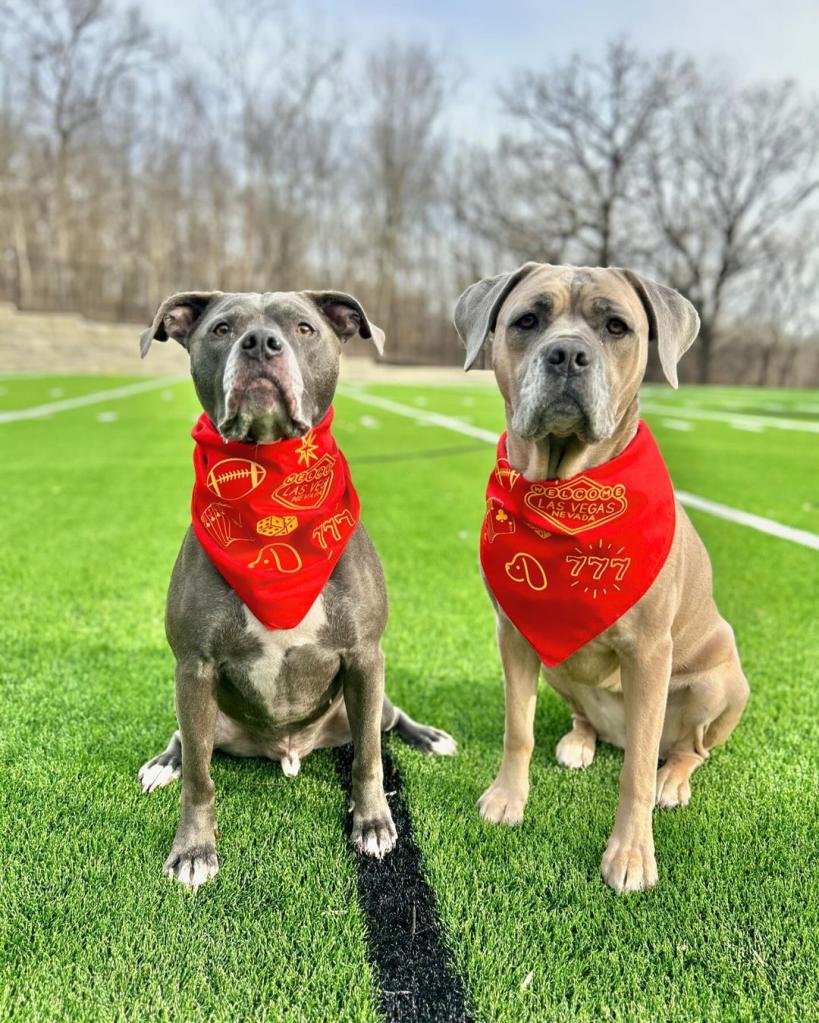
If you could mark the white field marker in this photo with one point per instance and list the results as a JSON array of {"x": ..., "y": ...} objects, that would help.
[
  {"x": 762, "y": 525},
  {"x": 721, "y": 511},
  {"x": 733, "y": 418},
  {"x": 94, "y": 398},
  {"x": 421, "y": 416}
]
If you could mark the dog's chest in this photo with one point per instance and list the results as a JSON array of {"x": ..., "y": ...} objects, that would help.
[
  {"x": 594, "y": 665},
  {"x": 289, "y": 670},
  {"x": 590, "y": 681}
]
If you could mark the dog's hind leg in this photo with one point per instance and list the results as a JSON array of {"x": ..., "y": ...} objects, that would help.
[
  {"x": 163, "y": 769},
  {"x": 674, "y": 778},
  {"x": 737, "y": 692},
  {"x": 425, "y": 738},
  {"x": 705, "y": 717}
]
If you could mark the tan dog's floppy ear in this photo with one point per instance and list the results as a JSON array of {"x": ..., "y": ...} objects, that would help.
[
  {"x": 347, "y": 316},
  {"x": 176, "y": 318},
  {"x": 673, "y": 322},
  {"x": 477, "y": 309}
]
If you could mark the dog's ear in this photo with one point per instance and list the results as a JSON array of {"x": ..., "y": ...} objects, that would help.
[
  {"x": 477, "y": 309},
  {"x": 673, "y": 322},
  {"x": 176, "y": 317},
  {"x": 346, "y": 316}
]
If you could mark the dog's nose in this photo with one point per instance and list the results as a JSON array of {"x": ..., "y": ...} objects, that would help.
[
  {"x": 568, "y": 356},
  {"x": 261, "y": 344}
]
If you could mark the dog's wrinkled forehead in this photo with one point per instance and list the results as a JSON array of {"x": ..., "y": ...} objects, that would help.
[
  {"x": 582, "y": 292},
  {"x": 246, "y": 308}
]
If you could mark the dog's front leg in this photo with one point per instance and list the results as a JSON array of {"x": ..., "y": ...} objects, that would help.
[
  {"x": 193, "y": 856},
  {"x": 373, "y": 831},
  {"x": 505, "y": 799},
  {"x": 628, "y": 862}
]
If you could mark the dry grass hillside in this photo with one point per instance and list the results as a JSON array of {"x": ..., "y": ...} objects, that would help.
[{"x": 68, "y": 343}]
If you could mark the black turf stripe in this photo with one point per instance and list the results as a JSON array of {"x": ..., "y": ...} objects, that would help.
[{"x": 416, "y": 977}]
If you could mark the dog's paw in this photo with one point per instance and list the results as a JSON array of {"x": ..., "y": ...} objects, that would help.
[
  {"x": 673, "y": 785},
  {"x": 575, "y": 751},
  {"x": 159, "y": 772},
  {"x": 429, "y": 740},
  {"x": 374, "y": 834},
  {"x": 291, "y": 764},
  {"x": 629, "y": 865},
  {"x": 193, "y": 866},
  {"x": 502, "y": 805},
  {"x": 434, "y": 742}
]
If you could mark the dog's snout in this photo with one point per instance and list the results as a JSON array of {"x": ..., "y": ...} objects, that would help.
[
  {"x": 568, "y": 356},
  {"x": 261, "y": 344}
]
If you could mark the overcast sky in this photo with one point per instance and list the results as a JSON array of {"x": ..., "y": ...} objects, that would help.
[{"x": 751, "y": 39}]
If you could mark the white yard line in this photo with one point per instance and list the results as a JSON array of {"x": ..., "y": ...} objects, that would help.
[
  {"x": 762, "y": 525},
  {"x": 94, "y": 398},
  {"x": 420, "y": 415},
  {"x": 732, "y": 418},
  {"x": 721, "y": 511}
]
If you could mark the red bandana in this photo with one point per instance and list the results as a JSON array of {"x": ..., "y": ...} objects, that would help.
[
  {"x": 566, "y": 558},
  {"x": 276, "y": 523}
]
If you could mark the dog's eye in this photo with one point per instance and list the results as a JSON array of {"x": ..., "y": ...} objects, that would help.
[
  {"x": 305, "y": 328},
  {"x": 221, "y": 329},
  {"x": 616, "y": 327},
  {"x": 526, "y": 322}
]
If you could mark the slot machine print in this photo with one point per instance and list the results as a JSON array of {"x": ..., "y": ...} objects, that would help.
[
  {"x": 332, "y": 530},
  {"x": 598, "y": 568}
]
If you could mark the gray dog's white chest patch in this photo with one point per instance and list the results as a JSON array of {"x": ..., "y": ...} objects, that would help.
[{"x": 265, "y": 671}]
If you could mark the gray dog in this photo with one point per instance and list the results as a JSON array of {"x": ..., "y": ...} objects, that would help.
[{"x": 265, "y": 367}]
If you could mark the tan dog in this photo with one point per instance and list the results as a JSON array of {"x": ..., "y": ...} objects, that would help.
[{"x": 664, "y": 682}]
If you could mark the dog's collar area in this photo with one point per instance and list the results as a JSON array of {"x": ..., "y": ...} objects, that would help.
[
  {"x": 503, "y": 454},
  {"x": 274, "y": 519},
  {"x": 566, "y": 558}
]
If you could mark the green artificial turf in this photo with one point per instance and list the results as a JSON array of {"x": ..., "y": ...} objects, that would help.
[
  {"x": 25, "y": 391},
  {"x": 92, "y": 513}
]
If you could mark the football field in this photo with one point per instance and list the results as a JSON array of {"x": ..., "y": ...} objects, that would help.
[{"x": 95, "y": 499}]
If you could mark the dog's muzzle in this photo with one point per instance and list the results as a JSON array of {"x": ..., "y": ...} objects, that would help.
[
  {"x": 563, "y": 391},
  {"x": 263, "y": 389}
]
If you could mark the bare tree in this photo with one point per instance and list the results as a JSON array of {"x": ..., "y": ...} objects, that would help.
[
  {"x": 783, "y": 311},
  {"x": 280, "y": 106},
  {"x": 567, "y": 168},
  {"x": 724, "y": 184},
  {"x": 401, "y": 163},
  {"x": 252, "y": 155},
  {"x": 74, "y": 56}
]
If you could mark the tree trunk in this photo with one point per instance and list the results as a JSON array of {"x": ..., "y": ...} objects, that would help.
[
  {"x": 24, "y": 279},
  {"x": 765, "y": 357},
  {"x": 705, "y": 346}
]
